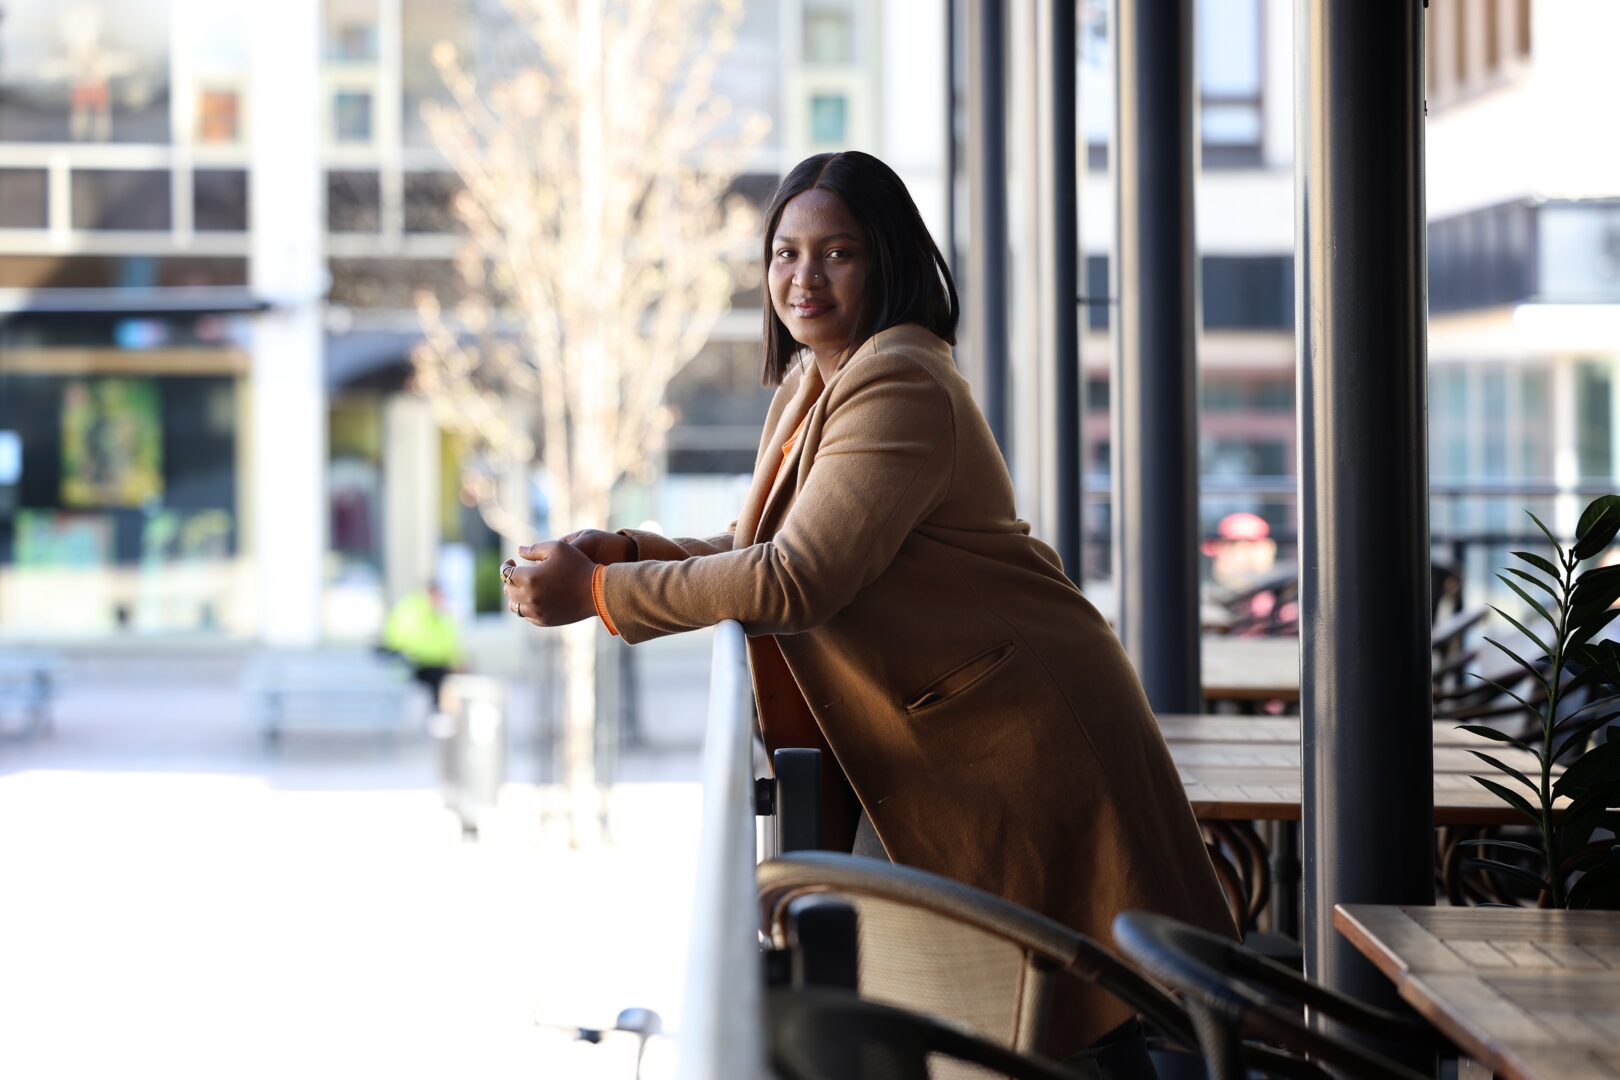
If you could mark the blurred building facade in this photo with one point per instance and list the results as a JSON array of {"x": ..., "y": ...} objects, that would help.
[{"x": 214, "y": 216}]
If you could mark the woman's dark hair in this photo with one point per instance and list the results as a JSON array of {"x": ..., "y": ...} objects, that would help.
[{"x": 908, "y": 280}]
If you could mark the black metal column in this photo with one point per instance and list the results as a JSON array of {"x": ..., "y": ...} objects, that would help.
[
  {"x": 1364, "y": 531},
  {"x": 1155, "y": 395},
  {"x": 1060, "y": 277},
  {"x": 987, "y": 183},
  {"x": 951, "y": 244}
]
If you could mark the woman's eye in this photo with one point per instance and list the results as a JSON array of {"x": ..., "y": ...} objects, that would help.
[{"x": 785, "y": 253}]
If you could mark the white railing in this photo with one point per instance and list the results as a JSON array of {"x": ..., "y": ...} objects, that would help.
[{"x": 723, "y": 1026}]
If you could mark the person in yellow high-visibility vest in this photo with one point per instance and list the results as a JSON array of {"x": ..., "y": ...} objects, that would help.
[{"x": 423, "y": 632}]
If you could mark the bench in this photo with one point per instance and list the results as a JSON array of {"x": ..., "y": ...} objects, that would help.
[{"x": 332, "y": 690}]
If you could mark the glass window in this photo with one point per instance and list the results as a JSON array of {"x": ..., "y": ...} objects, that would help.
[
  {"x": 829, "y": 35},
  {"x": 829, "y": 118},
  {"x": 351, "y": 31},
  {"x": 1594, "y": 434},
  {"x": 23, "y": 199},
  {"x": 1230, "y": 125},
  {"x": 428, "y": 202},
  {"x": 90, "y": 71},
  {"x": 121, "y": 199},
  {"x": 1229, "y": 47},
  {"x": 423, "y": 25},
  {"x": 219, "y": 50},
  {"x": 353, "y": 202},
  {"x": 1096, "y": 81},
  {"x": 219, "y": 115},
  {"x": 351, "y": 116},
  {"x": 219, "y": 200},
  {"x": 1229, "y": 65},
  {"x": 131, "y": 475}
]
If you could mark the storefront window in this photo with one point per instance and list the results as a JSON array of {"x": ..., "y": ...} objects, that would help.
[
  {"x": 23, "y": 199},
  {"x": 127, "y": 485},
  {"x": 90, "y": 71}
]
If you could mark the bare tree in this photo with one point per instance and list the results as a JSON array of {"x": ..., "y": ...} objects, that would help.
[{"x": 603, "y": 241}]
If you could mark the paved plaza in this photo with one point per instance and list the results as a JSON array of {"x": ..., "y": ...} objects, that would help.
[{"x": 180, "y": 902}]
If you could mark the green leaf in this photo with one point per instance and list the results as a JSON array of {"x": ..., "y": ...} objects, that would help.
[
  {"x": 1500, "y": 689},
  {"x": 1595, "y": 662},
  {"x": 1587, "y": 629},
  {"x": 1557, "y": 597},
  {"x": 1517, "y": 872},
  {"x": 1525, "y": 630},
  {"x": 1491, "y": 841},
  {"x": 1599, "y": 887},
  {"x": 1580, "y": 732},
  {"x": 1535, "y": 788},
  {"x": 1596, "y": 770},
  {"x": 1559, "y": 548},
  {"x": 1542, "y": 563},
  {"x": 1591, "y": 604},
  {"x": 1511, "y": 797},
  {"x": 1574, "y": 830},
  {"x": 1598, "y": 525},
  {"x": 1526, "y": 597},
  {"x": 1499, "y": 736},
  {"x": 1596, "y": 703},
  {"x": 1534, "y": 670}
]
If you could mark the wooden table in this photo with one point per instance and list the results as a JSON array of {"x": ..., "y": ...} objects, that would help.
[
  {"x": 1533, "y": 995},
  {"x": 1240, "y": 768},
  {"x": 1250, "y": 669},
  {"x": 1242, "y": 772}
]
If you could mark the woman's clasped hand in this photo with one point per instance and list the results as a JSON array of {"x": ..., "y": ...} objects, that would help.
[{"x": 554, "y": 589}]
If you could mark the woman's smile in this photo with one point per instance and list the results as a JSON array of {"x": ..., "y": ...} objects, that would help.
[
  {"x": 817, "y": 275},
  {"x": 810, "y": 309}
]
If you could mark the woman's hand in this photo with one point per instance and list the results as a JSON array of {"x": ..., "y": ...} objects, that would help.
[
  {"x": 556, "y": 590},
  {"x": 602, "y": 547}
]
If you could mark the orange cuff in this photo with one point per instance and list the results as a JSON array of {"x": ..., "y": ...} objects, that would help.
[{"x": 599, "y": 600}]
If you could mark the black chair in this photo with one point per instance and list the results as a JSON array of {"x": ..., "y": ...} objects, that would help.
[
  {"x": 1234, "y": 995},
  {"x": 825, "y": 1034},
  {"x": 933, "y": 946}
]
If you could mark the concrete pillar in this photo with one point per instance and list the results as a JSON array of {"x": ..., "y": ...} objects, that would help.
[
  {"x": 288, "y": 448},
  {"x": 410, "y": 495}
]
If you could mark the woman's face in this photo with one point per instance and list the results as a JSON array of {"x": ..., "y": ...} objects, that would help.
[{"x": 817, "y": 274}]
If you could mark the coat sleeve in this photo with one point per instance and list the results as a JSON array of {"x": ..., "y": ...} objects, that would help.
[
  {"x": 651, "y": 547},
  {"x": 881, "y": 465}
]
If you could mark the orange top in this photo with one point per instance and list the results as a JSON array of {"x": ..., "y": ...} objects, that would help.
[{"x": 600, "y": 572}]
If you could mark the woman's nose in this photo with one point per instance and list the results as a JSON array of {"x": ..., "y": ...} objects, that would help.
[{"x": 807, "y": 274}]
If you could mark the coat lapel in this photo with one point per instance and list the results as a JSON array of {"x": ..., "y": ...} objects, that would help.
[
  {"x": 787, "y": 474},
  {"x": 767, "y": 484}
]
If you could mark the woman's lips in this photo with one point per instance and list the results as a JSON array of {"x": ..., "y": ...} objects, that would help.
[{"x": 809, "y": 309}]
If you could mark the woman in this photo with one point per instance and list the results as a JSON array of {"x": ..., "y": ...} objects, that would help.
[{"x": 900, "y": 615}]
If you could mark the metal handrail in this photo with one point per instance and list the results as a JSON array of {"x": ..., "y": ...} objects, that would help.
[{"x": 723, "y": 1024}]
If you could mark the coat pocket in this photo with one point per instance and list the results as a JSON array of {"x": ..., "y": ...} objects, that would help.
[{"x": 961, "y": 677}]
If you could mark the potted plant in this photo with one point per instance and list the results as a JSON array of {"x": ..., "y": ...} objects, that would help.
[{"x": 1575, "y": 683}]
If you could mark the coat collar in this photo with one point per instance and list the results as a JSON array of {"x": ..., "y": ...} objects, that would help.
[{"x": 808, "y": 397}]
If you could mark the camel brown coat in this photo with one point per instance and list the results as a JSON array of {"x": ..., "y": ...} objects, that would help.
[{"x": 984, "y": 713}]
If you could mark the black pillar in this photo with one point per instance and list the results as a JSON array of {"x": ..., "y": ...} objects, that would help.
[
  {"x": 950, "y": 240},
  {"x": 1368, "y": 752},
  {"x": 1155, "y": 410},
  {"x": 1060, "y": 277},
  {"x": 987, "y": 182}
]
